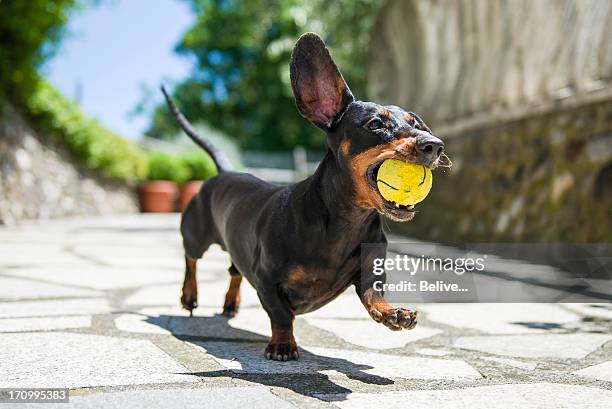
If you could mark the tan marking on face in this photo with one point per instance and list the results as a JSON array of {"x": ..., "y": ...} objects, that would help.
[
  {"x": 345, "y": 147},
  {"x": 367, "y": 196},
  {"x": 408, "y": 118},
  {"x": 385, "y": 114}
]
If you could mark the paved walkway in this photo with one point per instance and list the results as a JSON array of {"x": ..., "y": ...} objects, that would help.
[{"x": 92, "y": 305}]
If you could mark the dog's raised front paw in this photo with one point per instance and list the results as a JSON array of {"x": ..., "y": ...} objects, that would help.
[
  {"x": 395, "y": 319},
  {"x": 283, "y": 351}
]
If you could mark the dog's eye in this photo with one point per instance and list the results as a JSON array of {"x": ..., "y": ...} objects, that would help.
[{"x": 374, "y": 124}]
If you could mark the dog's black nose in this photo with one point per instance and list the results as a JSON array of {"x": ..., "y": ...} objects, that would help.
[{"x": 429, "y": 146}]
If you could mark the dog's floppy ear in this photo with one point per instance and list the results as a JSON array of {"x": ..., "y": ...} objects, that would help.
[{"x": 321, "y": 95}]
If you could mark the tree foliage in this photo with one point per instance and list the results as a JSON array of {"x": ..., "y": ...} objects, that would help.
[
  {"x": 240, "y": 82},
  {"x": 89, "y": 141},
  {"x": 180, "y": 169},
  {"x": 29, "y": 31}
]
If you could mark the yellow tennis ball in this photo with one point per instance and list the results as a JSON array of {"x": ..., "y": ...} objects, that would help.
[{"x": 403, "y": 183}]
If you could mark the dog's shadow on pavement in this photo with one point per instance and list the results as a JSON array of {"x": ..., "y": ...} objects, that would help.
[{"x": 239, "y": 353}]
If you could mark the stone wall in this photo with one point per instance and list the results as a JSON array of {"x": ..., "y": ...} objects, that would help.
[
  {"x": 520, "y": 91},
  {"x": 39, "y": 180},
  {"x": 460, "y": 58},
  {"x": 542, "y": 178}
]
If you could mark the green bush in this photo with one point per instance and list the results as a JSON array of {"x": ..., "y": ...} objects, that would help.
[
  {"x": 200, "y": 166},
  {"x": 102, "y": 150},
  {"x": 29, "y": 33},
  {"x": 180, "y": 169},
  {"x": 163, "y": 166},
  {"x": 99, "y": 148},
  {"x": 241, "y": 51}
]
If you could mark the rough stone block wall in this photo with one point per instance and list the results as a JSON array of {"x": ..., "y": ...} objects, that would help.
[
  {"x": 521, "y": 93},
  {"x": 39, "y": 180},
  {"x": 542, "y": 178},
  {"x": 452, "y": 59}
]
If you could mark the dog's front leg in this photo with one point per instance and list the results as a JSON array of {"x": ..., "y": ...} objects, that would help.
[
  {"x": 392, "y": 317},
  {"x": 282, "y": 345},
  {"x": 374, "y": 302}
]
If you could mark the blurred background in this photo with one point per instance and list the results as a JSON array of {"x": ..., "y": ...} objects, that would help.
[{"x": 519, "y": 90}]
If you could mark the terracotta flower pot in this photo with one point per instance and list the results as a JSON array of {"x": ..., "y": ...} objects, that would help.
[
  {"x": 158, "y": 196},
  {"x": 188, "y": 192}
]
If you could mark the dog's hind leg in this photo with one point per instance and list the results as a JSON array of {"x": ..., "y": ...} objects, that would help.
[
  {"x": 232, "y": 297},
  {"x": 197, "y": 237},
  {"x": 189, "y": 297}
]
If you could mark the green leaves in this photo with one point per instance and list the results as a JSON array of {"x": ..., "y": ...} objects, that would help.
[
  {"x": 180, "y": 169},
  {"x": 104, "y": 151},
  {"x": 240, "y": 84},
  {"x": 163, "y": 166},
  {"x": 199, "y": 166},
  {"x": 29, "y": 31},
  {"x": 97, "y": 147}
]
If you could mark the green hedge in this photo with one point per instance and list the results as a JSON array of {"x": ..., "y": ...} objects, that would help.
[
  {"x": 198, "y": 165},
  {"x": 29, "y": 33},
  {"x": 104, "y": 151},
  {"x": 180, "y": 169},
  {"x": 99, "y": 148}
]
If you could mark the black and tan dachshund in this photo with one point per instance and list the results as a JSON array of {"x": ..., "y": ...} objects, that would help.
[{"x": 300, "y": 246}]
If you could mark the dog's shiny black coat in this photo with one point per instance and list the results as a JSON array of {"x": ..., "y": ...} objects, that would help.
[{"x": 300, "y": 246}]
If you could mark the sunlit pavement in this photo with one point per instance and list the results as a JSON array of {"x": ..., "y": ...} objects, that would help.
[{"x": 93, "y": 305}]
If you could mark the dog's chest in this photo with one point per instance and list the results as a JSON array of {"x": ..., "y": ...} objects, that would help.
[{"x": 308, "y": 288}]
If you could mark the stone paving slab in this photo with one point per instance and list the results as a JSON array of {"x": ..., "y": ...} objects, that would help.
[
  {"x": 20, "y": 254},
  {"x": 54, "y": 307},
  {"x": 101, "y": 277},
  {"x": 539, "y": 395},
  {"x": 433, "y": 352},
  {"x": 248, "y": 359},
  {"x": 207, "y": 322},
  {"x": 347, "y": 305},
  {"x": 528, "y": 366},
  {"x": 574, "y": 346},
  {"x": 43, "y": 324},
  {"x": 131, "y": 257},
  {"x": 65, "y": 360},
  {"x": 600, "y": 311},
  {"x": 211, "y": 293},
  {"x": 97, "y": 310},
  {"x": 502, "y": 318},
  {"x": 12, "y": 289},
  {"x": 229, "y": 398},
  {"x": 379, "y": 337},
  {"x": 602, "y": 371}
]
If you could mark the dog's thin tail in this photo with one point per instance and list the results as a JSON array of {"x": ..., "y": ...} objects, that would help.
[{"x": 221, "y": 161}]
